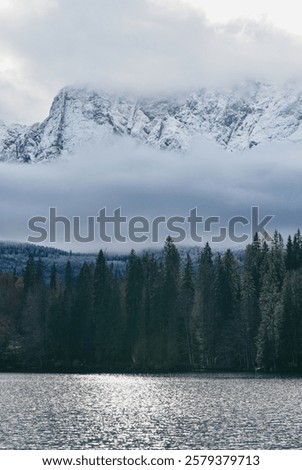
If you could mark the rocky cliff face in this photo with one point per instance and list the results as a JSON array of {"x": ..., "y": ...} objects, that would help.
[{"x": 236, "y": 119}]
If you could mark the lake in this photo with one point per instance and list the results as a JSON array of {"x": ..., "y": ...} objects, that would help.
[{"x": 177, "y": 411}]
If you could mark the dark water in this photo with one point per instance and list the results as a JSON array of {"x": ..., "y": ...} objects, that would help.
[{"x": 214, "y": 411}]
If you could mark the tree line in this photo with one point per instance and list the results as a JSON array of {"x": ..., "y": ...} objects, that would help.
[{"x": 162, "y": 315}]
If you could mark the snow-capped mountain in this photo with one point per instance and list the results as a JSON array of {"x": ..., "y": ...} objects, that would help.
[{"x": 237, "y": 119}]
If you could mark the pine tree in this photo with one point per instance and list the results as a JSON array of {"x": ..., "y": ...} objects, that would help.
[
  {"x": 152, "y": 310},
  {"x": 206, "y": 325},
  {"x": 39, "y": 273},
  {"x": 290, "y": 262},
  {"x": 104, "y": 317},
  {"x": 251, "y": 281},
  {"x": 268, "y": 338},
  {"x": 184, "y": 332},
  {"x": 135, "y": 328},
  {"x": 54, "y": 282},
  {"x": 289, "y": 353},
  {"x": 228, "y": 321},
  {"x": 55, "y": 322},
  {"x": 297, "y": 251},
  {"x": 82, "y": 318},
  {"x": 33, "y": 325},
  {"x": 170, "y": 304},
  {"x": 29, "y": 275},
  {"x": 67, "y": 309}
]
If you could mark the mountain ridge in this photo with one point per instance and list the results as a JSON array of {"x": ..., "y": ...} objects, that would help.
[{"x": 236, "y": 119}]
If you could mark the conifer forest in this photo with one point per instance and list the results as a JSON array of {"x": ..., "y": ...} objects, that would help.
[{"x": 161, "y": 315}]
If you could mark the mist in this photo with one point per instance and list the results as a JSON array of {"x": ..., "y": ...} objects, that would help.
[{"x": 151, "y": 183}]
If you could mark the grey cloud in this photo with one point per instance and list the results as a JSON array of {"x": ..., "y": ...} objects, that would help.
[
  {"x": 151, "y": 183},
  {"x": 132, "y": 45}
]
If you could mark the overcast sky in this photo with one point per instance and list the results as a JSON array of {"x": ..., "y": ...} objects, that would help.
[
  {"x": 146, "y": 46},
  {"x": 139, "y": 45}
]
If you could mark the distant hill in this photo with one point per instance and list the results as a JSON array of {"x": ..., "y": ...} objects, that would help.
[{"x": 13, "y": 258}]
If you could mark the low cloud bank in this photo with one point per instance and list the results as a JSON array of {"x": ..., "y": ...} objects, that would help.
[{"x": 144, "y": 182}]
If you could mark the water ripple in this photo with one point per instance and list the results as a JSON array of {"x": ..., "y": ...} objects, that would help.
[{"x": 189, "y": 411}]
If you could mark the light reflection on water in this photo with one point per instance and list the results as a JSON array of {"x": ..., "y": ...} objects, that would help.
[{"x": 189, "y": 411}]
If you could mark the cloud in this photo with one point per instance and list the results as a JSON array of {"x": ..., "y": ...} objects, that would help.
[
  {"x": 142, "y": 47},
  {"x": 137, "y": 46},
  {"x": 145, "y": 182}
]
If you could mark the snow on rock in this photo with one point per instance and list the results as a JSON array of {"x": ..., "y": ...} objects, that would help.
[{"x": 237, "y": 119}]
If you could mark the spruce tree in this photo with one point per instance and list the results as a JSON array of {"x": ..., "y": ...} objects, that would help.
[
  {"x": 55, "y": 322},
  {"x": 82, "y": 319},
  {"x": 184, "y": 332},
  {"x": 170, "y": 304},
  {"x": 268, "y": 338},
  {"x": 152, "y": 310},
  {"x": 206, "y": 320},
  {"x": 135, "y": 328},
  {"x": 228, "y": 321},
  {"x": 104, "y": 318}
]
